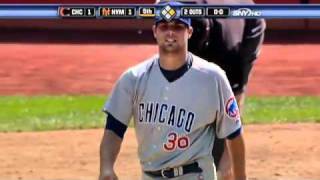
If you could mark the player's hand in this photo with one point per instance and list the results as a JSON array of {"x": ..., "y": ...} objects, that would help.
[{"x": 111, "y": 175}]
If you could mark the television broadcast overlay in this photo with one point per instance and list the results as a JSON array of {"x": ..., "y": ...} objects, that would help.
[
  {"x": 61, "y": 59},
  {"x": 268, "y": 11}
]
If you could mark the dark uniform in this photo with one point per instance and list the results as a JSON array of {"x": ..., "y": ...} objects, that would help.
[{"x": 233, "y": 44}]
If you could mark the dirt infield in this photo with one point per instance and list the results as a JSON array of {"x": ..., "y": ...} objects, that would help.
[
  {"x": 281, "y": 152},
  {"x": 277, "y": 152},
  {"x": 91, "y": 69}
]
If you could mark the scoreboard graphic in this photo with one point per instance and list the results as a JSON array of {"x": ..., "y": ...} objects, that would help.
[
  {"x": 136, "y": 11},
  {"x": 117, "y": 12},
  {"x": 193, "y": 11},
  {"x": 88, "y": 12},
  {"x": 147, "y": 12}
]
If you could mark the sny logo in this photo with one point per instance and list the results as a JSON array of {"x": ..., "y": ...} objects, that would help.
[{"x": 245, "y": 12}]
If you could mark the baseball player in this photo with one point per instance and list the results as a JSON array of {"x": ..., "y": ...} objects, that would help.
[
  {"x": 175, "y": 98},
  {"x": 234, "y": 45}
]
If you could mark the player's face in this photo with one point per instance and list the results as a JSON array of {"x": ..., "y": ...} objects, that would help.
[{"x": 172, "y": 36}]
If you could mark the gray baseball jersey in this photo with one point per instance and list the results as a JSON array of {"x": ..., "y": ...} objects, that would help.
[{"x": 174, "y": 120}]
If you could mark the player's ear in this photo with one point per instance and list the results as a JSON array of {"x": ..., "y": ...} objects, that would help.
[
  {"x": 154, "y": 31},
  {"x": 190, "y": 31}
]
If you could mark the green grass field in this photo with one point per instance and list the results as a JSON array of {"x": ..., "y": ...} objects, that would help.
[{"x": 39, "y": 113}]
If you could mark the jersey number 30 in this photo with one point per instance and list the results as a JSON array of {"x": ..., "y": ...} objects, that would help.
[{"x": 175, "y": 141}]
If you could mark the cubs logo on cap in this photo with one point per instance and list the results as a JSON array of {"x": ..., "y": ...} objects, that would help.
[{"x": 232, "y": 109}]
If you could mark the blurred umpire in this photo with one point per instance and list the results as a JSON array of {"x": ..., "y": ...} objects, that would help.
[{"x": 233, "y": 44}]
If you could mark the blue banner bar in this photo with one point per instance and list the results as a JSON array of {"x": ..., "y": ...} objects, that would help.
[
  {"x": 56, "y": 11},
  {"x": 29, "y": 12}
]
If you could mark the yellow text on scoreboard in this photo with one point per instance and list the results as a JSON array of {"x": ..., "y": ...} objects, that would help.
[{"x": 146, "y": 12}]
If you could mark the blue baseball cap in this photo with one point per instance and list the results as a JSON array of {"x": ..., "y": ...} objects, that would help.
[{"x": 164, "y": 14}]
